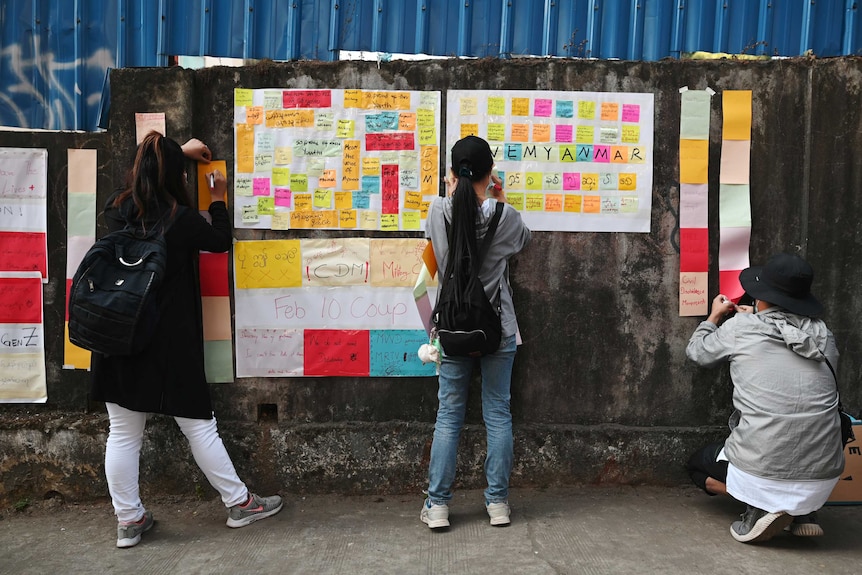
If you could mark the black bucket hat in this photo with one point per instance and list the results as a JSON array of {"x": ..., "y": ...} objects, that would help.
[
  {"x": 785, "y": 281},
  {"x": 471, "y": 157}
]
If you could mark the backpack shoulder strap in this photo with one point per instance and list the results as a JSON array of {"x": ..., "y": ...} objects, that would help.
[{"x": 492, "y": 231}]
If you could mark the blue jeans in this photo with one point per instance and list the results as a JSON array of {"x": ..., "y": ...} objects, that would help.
[{"x": 454, "y": 381}]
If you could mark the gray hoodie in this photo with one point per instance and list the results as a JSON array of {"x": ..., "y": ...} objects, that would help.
[
  {"x": 511, "y": 237},
  {"x": 783, "y": 391}
]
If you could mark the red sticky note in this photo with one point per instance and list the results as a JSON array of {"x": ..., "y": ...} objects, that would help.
[
  {"x": 385, "y": 142},
  {"x": 693, "y": 249},
  {"x": 21, "y": 300},
  {"x": 24, "y": 252},
  {"x": 728, "y": 284},
  {"x": 332, "y": 352},
  {"x": 214, "y": 274},
  {"x": 389, "y": 188},
  {"x": 307, "y": 99}
]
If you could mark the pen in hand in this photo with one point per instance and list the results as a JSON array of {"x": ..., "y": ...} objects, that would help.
[{"x": 212, "y": 181}]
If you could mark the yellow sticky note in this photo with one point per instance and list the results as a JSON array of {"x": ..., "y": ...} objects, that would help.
[
  {"x": 586, "y": 110},
  {"x": 345, "y": 129},
  {"x": 520, "y": 106},
  {"x": 469, "y": 130},
  {"x": 299, "y": 182},
  {"x": 347, "y": 218},
  {"x": 496, "y": 132},
  {"x": 353, "y": 98},
  {"x": 425, "y": 117},
  {"x": 427, "y": 135},
  {"x": 244, "y": 148},
  {"x": 370, "y": 166},
  {"x": 283, "y": 155},
  {"x": 590, "y": 182},
  {"x": 693, "y": 161},
  {"x": 322, "y": 198},
  {"x": 584, "y": 135},
  {"x": 265, "y": 205},
  {"x": 280, "y": 221},
  {"x": 281, "y": 176},
  {"x": 411, "y": 220},
  {"x": 267, "y": 264},
  {"x": 243, "y": 97},
  {"x": 736, "y": 108},
  {"x": 302, "y": 202},
  {"x": 628, "y": 181},
  {"x": 533, "y": 180},
  {"x": 535, "y": 202},
  {"x": 516, "y": 200},
  {"x": 514, "y": 181},
  {"x": 631, "y": 133},
  {"x": 572, "y": 203},
  {"x": 368, "y": 220},
  {"x": 350, "y": 165},
  {"x": 388, "y": 222},
  {"x": 343, "y": 200},
  {"x": 429, "y": 166},
  {"x": 469, "y": 106},
  {"x": 412, "y": 200},
  {"x": 496, "y": 106}
]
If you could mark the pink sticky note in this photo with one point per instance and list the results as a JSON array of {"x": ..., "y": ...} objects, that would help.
[
  {"x": 542, "y": 107},
  {"x": 563, "y": 133},
  {"x": 571, "y": 181},
  {"x": 260, "y": 187},
  {"x": 283, "y": 197},
  {"x": 631, "y": 113}
]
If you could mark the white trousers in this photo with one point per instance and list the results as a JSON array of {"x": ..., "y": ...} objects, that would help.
[{"x": 122, "y": 460}]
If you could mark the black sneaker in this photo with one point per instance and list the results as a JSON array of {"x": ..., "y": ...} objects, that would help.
[{"x": 757, "y": 525}]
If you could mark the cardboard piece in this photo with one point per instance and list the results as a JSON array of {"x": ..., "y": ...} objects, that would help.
[{"x": 849, "y": 488}]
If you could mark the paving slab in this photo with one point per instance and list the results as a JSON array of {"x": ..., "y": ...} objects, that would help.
[{"x": 577, "y": 530}]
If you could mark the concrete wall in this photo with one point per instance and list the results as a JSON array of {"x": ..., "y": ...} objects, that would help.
[{"x": 602, "y": 391}]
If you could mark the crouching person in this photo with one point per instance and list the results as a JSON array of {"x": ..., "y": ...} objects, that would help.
[{"x": 784, "y": 454}]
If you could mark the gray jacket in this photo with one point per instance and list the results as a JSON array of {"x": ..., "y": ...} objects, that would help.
[
  {"x": 784, "y": 393},
  {"x": 511, "y": 237}
]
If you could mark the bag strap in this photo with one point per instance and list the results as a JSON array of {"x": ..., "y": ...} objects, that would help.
[{"x": 832, "y": 369}]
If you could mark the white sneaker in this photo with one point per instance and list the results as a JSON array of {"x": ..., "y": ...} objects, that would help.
[
  {"x": 435, "y": 516},
  {"x": 499, "y": 513}
]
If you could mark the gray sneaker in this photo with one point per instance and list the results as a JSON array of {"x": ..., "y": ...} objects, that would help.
[
  {"x": 758, "y": 525},
  {"x": 129, "y": 534},
  {"x": 499, "y": 513},
  {"x": 255, "y": 508}
]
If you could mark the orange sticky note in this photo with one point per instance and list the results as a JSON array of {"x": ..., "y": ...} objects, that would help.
[{"x": 204, "y": 200}]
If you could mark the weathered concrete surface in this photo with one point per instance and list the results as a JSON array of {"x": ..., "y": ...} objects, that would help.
[
  {"x": 598, "y": 531},
  {"x": 602, "y": 390}
]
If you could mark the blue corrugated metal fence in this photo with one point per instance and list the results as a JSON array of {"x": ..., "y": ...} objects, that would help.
[{"x": 54, "y": 54}]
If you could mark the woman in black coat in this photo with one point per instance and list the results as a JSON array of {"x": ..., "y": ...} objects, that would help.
[{"x": 167, "y": 377}]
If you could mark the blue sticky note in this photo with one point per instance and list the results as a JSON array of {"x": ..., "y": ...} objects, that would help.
[
  {"x": 371, "y": 184},
  {"x": 584, "y": 154},
  {"x": 565, "y": 108},
  {"x": 393, "y": 353},
  {"x": 513, "y": 152},
  {"x": 361, "y": 200}
]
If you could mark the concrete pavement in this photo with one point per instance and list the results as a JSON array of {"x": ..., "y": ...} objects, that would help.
[{"x": 593, "y": 530}]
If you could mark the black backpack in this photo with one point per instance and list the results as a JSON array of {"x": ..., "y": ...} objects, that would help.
[
  {"x": 469, "y": 325},
  {"x": 113, "y": 308}
]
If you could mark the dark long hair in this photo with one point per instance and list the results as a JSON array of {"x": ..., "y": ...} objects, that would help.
[
  {"x": 463, "y": 246},
  {"x": 157, "y": 178}
]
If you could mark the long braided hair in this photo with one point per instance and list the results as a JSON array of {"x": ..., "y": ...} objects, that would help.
[{"x": 463, "y": 257}]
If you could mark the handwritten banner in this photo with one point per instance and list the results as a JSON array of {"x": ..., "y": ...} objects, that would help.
[
  {"x": 317, "y": 307},
  {"x": 23, "y": 210},
  {"x": 335, "y": 159},
  {"x": 22, "y": 339},
  {"x": 551, "y": 144}
]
